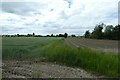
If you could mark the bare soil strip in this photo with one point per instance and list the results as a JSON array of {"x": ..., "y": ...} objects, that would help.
[
  {"x": 101, "y": 45},
  {"x": 29, "y": 69}
]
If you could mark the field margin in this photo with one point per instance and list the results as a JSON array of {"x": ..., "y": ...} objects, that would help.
[{"x": 0, "y": 57}]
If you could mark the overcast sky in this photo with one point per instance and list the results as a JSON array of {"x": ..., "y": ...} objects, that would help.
[{"x": 56, "y": 16}]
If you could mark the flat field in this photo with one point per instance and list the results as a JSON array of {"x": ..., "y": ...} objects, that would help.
[
  {"x": 21, "y": 48},
  {"x": 50, "y": 57},
  {"x": 100, "y": 45}
]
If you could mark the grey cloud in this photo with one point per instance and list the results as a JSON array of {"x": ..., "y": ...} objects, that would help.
[
  {"x": 28, "y": 24},
  {"x": 52, "y": 31},
  {"x": 69, "y": 31},
  {"x": 6, "y": 28},
  {"x": 51, "y": 25},
  {"x": 37, "y": 13},
  {"x": 22, "y": 8},
  {"x": 64, "y": 15},
  {"x": 36, "y": 19},
  {"x": 75, "y": 22},
  {"x": 12, "y": 20},
  {"x": 23, "y": 18},
  {"x": 77, "y": 27},
  {"x": 69, "y": 2},
  {"x": 119, "y": 12},
  {"x": 14, "y": 29}
]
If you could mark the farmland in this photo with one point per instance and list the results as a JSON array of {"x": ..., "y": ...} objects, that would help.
[
  {"x": 100, "y": 45},
  {"x": 26, "y": 52},
  {"x": 24, "y": 48}
]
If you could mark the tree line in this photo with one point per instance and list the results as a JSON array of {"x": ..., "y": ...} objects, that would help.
[
  {"x": 33, "y": 35},
  {"x": 101, "y": 31},
  {"x": 110, "y": 32}
]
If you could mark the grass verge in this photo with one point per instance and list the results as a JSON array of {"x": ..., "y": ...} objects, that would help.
[{"x": 100, "y": 62}]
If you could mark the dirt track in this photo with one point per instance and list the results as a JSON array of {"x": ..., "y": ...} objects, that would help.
[
  {"x": 29, "y": 69},
  {"x": 102, "y": 45}
]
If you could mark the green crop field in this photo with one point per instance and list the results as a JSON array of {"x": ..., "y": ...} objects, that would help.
[
  {"x": 24, "y": 48},
  {"x": 55, "y": 50}
]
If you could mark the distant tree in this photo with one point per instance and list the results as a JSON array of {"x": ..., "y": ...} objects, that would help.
[
  {"x": 52, "y": 35},
  {"x": 61, "y": 35},
  {"x": 65, "y": 35},
  {"x": 73, "y": 35},
  {"x": 57, "y": 35},
  {"x": 7, "y": 35},
  {"x": 108, "y": 33},
  {"x": 38, "y": 35},
  {"x": 18, "y": 35},
  {"x": 116, "y": 32},
  {"x": 87, "y": 34},
  {"x": 47, "y": 35},
  {"x": 29, "y": 35},
  {"x": 97, "y": 33},
  {"x": 33, "y": 34}
]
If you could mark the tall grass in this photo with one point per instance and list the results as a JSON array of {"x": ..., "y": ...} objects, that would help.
[
  {"x": 100, "y": 62},
  {"x": 54, "y": 49}
]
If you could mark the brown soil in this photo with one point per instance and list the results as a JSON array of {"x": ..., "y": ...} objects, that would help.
[
  {"x": 30, "y": 69},
  {"x": 102, "y": 45}
]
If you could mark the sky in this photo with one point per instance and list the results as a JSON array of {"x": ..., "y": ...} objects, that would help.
[{"x": 56, "y": 16}]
